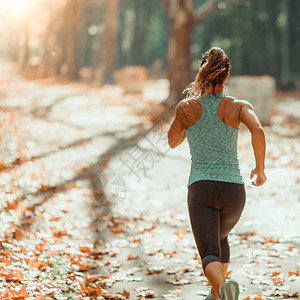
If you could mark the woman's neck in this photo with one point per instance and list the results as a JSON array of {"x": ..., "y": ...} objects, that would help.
[{"x": 218, "y": 89}]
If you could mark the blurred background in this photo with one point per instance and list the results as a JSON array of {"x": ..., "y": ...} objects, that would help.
[{"x": 91, "y": 39}]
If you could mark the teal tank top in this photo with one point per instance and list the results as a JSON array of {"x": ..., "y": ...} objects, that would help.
[{"x": 213, "y": 145}]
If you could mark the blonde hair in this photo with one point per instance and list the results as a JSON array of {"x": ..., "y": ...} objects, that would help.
[{"x": 214, "y": 68}]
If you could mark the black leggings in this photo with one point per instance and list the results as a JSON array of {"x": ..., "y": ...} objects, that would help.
[{"x": 214, "y": 209}]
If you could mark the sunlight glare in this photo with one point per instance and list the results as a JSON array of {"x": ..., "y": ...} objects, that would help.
[{"x": 15, "y": 6}]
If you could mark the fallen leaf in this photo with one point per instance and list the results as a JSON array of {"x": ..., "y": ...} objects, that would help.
[
  {"x": 278, "y": 281},
  {"x": 130, "y": 256},
  {"x": 297, "y": 273},
  {"x": 181, "y": 233}
]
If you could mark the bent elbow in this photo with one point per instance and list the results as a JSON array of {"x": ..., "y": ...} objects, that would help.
[
  {"x": 172, "y": 145},
  {"x": 258, "y": 130},
  {"x": 170, "y": 141}
]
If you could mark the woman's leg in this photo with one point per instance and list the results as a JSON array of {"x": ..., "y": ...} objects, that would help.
[
  {"x": 214, "y": 209},
  {"x": 215, "y": 274},
  {"x": 225, "y": 267},
  {"x": 204, "y": 210},
  {"x": 233, "y": 202}
]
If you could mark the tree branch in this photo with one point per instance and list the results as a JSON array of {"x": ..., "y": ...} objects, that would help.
[
  {"x": 204, "y": 10},
  {"x": 171, "y": 9},
  {"x": 188, "y": 5},
  {"x": 166, "y": 6}
]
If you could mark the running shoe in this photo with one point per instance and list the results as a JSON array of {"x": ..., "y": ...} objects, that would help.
[
  {"x": 212, "y": 297},
  {"x": 230, "y": 291}
]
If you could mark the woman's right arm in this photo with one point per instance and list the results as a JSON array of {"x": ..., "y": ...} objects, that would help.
[{"x": 248, "y": 117}]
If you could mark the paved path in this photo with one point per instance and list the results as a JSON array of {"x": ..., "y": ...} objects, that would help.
[{"x": 82, "y": 178}]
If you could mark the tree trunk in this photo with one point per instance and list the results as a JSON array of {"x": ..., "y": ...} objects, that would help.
[
  {"x": 181, "y": 19},
  {"x": 179, "y": 57},
  {"x": 109, "y": 43},
  {"x": 47, "y": 41},
  {"x": 14, "y": 36},
  {"x": 62, "y": 41},
  {"x": 140, "y": 31},
  {"x": 73, "y": 9},
  {"x": 26, "y": 53},
  {"x": 285, "y": 72}
]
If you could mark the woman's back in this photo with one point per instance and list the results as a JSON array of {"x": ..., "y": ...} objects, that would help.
[
  {"x": 212, "y": 136},
  {"x": 228, "y": 111}
]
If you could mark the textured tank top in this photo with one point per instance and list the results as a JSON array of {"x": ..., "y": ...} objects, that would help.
[{"x": 213, "y": 145}]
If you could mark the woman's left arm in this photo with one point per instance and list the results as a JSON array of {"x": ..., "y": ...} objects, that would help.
[{"x": 176, "y": 133}]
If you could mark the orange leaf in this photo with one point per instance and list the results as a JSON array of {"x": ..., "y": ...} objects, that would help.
[
  {"x": 149, "y": 295},
  {"x": 6, "y": 261},
  {"x": 17, "y": 295},
  {"x": 13, "y": 205},
  {"x": 91, "y": 291},
  {"x": 53, "y": 252},
  {"x": 72, "y": 186},
  {"x": 18, "y": 235},
  {"x": 59, "y": 233},
  {"x": 147, "y": 229},
  {"x": 40, "y": 247},
  {"x": 259, "y": 297},
  {"x": 270, "y": 240},
  {"x": 85, "y": 249},
  {"x": 2, "y": 165},
  {"x": 6, "y": 253},
  {"x": 170, "y": 253},
  {"x": 197, "y": 257},
  {"x": 2, "y": 271},
  {"x": 116, "y": 231},
  {"x": 154, "y": 271},
  {"x": 275, "y": 274},
  {"x": 38, "y": 264},
  {"x": 23, "y": 292},
  {"x": 247, "y": 234},
  {"x": 81, "y": 266},
  {"x": 278, "y": 281},
  {"x": 125, "y": 293},
  {"x": 41, "y": 216},
  {"x": 297, "y": 273},
  {"x": 137, "y": 241},
  {"x": 54, "y": 218},
  {"x": 93, "y": 279},
  {"x": 14, "y": 275},
  {"x": 39, "y": 298},
  {"x": 247, "y": 298},
  {"x": 181, "y": 233},
  {"x": 130, "y": 256}
]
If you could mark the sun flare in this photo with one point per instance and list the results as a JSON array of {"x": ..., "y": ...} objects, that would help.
[{"x": 16, "y": 7}]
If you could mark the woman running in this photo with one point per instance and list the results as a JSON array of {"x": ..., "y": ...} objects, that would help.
[{"x": 210, "y": 120}]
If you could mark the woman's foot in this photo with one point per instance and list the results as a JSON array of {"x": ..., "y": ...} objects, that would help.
[
  {"x": 212, "y": 297},
  {"x": 230, "y": 291}
]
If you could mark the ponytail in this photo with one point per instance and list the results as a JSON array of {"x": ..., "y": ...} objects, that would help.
[{"x": 213, "y": 70}]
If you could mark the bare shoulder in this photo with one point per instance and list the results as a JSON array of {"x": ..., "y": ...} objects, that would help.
[
  {"x": 187, "y": 103},
  {"x": 188, "y": 111},
  {"x": 243, "y": 103}
]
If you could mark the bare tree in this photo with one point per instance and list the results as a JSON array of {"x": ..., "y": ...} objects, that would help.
[
  {"x": 109, "y": 42},
  {"x": 182, "y": 17},
  {"x": 26, "y": 54},
  {"x": 73, "y": 9}
]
